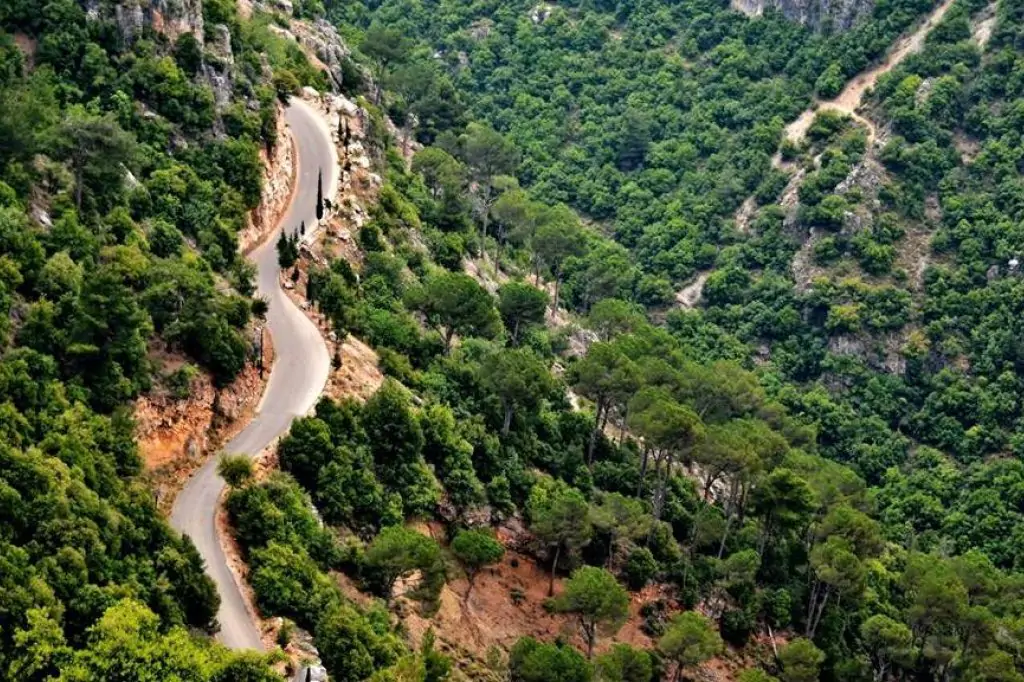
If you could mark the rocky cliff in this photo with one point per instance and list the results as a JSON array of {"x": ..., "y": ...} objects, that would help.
[
  {"x": 170, "y": 17},
  {"x": 818, "y": 15}
]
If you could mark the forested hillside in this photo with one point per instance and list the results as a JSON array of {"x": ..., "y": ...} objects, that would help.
[
  {"x": 810, "y": 471},
  {"x": 821, "y": 459},
  {"x": 128, "y": 161}
]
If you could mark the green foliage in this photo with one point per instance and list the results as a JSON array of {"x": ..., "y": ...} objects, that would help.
[
  {"x": 127, "y": 642},
  {"x": 235, "y": 469},
  {"x": 287, "y": 249},
  {"x": 518, "y": 378},
  {"x": 476, "y": 549},
  {"x": 689, "y": 640},
  {"x": 801, "y": 661},
  {"x": 560, "y": 518},
  {"x": 623, "y": 663},
  {"x": 521, "y": 306},
  {"x": 455, "y": 304},
  {"x": 533, "y": 661},
  {"x": 597, "y": 600},
  {"x": 398, "y": 551},
  {"x": 641, "y": 568}
]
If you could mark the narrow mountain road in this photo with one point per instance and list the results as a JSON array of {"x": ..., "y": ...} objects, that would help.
[{"x": 296, "y": 380}]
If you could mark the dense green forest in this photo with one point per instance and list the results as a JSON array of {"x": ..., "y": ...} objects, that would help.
[
  {"x": 122, "y": 187},
  {"x": 863, "y": 502},
  {"x": 863, "y": 505}
]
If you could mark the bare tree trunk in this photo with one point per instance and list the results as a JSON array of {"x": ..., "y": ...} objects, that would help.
[
  {"x": 814, "y": 614},
  {"x": 725, "y": 535},
  {"x": 554, "y": 567},
  {"x": 659, "y": 497},
  {"x": 765, "y": 535},
  {"x": 508, "y": 420},
  {"x": 484, "y": 219},
  {"x": 643, "y": 470},
  {"x": 593, "y": 436},
  {"x": 590, "y": 630},
  {"x": 623, "y": 420}
]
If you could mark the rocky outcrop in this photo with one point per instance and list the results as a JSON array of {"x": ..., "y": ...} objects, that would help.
[
  {"x": 819, "y": 15},
  {"x": 218, "y": 65},
  {"x": 320, "y": 41},
  {"x": 278, "y": 180},
  {"x": 173, "y": 18}
]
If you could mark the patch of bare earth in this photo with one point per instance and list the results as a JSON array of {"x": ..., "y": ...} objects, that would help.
[
  {"x": 354, "y": 365},
  {"x": 477, "y": 627},
  {"x": 967, "y": 146},
  {"x": 506, "y": 603},
  {"x": 982, "y": 27},
  {"x": 689, "y": 296},
  {"x": 28, "y": 45},
  {"x": 176, "y": 435},
  {"x": 745, "y": 214}
]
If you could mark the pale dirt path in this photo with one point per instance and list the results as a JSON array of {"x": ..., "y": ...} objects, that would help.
[
  {"x": 985, "y": 24},
  {"x": 849, "y": 100},
  {"x": 689, "y": 296}
]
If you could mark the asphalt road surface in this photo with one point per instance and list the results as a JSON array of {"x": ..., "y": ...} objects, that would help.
[{"x": 296, "y": 380}]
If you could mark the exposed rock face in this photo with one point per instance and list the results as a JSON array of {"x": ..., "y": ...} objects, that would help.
[
  {"x": 173, "y": 18},
  {"x": 322, "y": 40},
  {"x": 176, "y": 17},
  {"x": 176, "y": 434},
  {"x": 218, "y": 67},
  {"x": 130, "y": 21},
  {"x": 278, "y": 173},
  {"x": 834, "y": 15}
]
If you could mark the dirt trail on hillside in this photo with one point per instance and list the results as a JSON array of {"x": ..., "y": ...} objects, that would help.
[
  {"x": 984, "y": 24},
  {"x": 849, "y": 101},
  {"x": 851, "y": 97}
]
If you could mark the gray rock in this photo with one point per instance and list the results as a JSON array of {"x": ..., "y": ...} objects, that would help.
[
  {"x": 130, "y": 21},
  {"x": 219, "y": 44},
  {"x": 173, "y": 18},
  {"x": 220, "y": 83},
  {"x": 819, "y": 15}
]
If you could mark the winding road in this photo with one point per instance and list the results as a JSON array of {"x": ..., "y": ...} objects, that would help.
[{"x": 296, "y": 380}]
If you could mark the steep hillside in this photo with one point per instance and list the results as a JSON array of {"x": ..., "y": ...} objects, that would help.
[
  {"x": 817, "y": 459},
  {"x": 134, "y": 148}
]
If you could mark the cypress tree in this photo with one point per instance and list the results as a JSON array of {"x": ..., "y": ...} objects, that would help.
[{"x": 320, "y": 195}]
